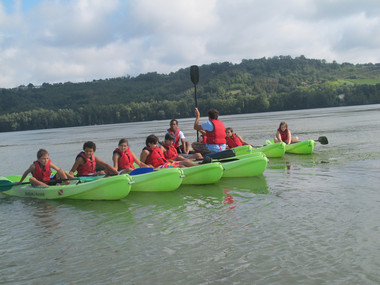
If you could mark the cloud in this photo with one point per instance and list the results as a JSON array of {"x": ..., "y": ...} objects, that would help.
[{"x": 81, "y": 40}]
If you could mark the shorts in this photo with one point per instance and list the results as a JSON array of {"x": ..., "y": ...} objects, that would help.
[{"x": 170, "y": 164}]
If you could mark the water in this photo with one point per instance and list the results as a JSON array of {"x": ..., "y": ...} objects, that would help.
[{"x": 310, "y": 219}]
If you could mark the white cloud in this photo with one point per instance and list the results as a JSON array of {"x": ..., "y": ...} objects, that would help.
[{"x": 82, "y": 40}]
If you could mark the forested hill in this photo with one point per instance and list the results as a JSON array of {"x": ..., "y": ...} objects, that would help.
[{"x": 258, "y": 85}]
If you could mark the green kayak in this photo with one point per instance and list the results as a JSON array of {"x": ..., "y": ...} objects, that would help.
[
  {"x": 202, "y": 174},
  {"x": 302, "y": 147},
  {"x": 109, "y": 188},
  {"x": 168, "y": 179},
  {"x": 270, "y": 150},
  {"x": 253, "y": 164}
]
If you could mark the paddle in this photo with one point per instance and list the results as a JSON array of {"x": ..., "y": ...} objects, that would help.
[
  {"x": 5, "y": 185},
  {"x": 322, "y": 140},
  {"x": 194, "y": 75},
  {"x": 221, "y": 154},
  {"x": 141, "y": 170}
]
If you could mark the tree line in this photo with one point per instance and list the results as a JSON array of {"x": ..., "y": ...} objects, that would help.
[{"x": 259, "y": 85}]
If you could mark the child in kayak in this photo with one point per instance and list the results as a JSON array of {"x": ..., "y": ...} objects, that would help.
[
  {"x": 41, "y": 171},
  {"x": 179, "y": 137},
  {"x": 153, "y": 155},
  {"x": 123, "y": 158},
  {"x": 284, "y": 135},
  {"x": 233, "y": 139},
  {"x": 85, "y": 162},
  {"x": 171, "y": 153}
]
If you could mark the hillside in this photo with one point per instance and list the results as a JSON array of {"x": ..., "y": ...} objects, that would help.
[{"x": 258, "y": 85}]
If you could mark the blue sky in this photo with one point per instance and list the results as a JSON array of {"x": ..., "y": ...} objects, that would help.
[{"x": 65, "y": 40}]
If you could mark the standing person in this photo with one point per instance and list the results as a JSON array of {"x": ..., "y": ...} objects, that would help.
[
  {"x": 284, "y": 135},
  {"x": 153, "y": 155},
  {"x": 123, "y": 158},
  {"x": 41, "y": 171},
  {"x": 233, "y": 139},
  {"x": 85, "y": 162},
  {"x": 179, "y": 137},
  {"x": 214, "y": 130}
]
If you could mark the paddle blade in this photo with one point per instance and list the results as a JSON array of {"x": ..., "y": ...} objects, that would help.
[
  {"x": 142, "y": 170},
  {"x": 323, "y": 140},
  {"x": 221, "y": 154},
  {"x": 194, "y": 74},
  {"x": 5, "y": 185}
]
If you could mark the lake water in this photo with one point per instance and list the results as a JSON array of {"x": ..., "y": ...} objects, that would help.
[{"x": 312, "y": 219}]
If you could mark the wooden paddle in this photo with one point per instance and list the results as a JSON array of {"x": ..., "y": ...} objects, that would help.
[{"x": 194, "y": 75}]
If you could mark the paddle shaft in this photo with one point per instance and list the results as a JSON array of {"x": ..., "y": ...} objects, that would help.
[{"x": 194, "y": 75}]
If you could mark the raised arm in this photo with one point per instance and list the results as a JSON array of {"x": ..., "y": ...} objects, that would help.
[{"x": 197, "y": 126}]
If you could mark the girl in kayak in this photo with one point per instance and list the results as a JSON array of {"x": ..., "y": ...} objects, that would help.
[
  {"x": 123, "y": 158},
  {"x": 171, "y": 153},
  {"x": 41, "y": 171},
  {"x": 233, "y": 139},
  {"x": 85, "y": 162},
  {"x": 153, "y": 155},
  {"x": 284, "y": 135}
]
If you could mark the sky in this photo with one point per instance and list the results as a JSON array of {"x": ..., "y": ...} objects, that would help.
[{"x": 53, "y": 41}]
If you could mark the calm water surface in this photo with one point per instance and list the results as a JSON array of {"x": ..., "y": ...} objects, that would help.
[{"x": 310, "y": 219}]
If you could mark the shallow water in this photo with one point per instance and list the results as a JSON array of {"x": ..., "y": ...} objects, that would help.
[{"x": 310, "y": 219}]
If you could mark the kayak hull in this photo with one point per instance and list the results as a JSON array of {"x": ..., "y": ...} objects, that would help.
[
  {"x": 110, "y": 188},
  {"x": 304, "y": 147},
  {"x": 202, "y": 174},
  {"x": 270, "y": 150},
  {"x": 163, "y": 180},
  {"x": 245, "y": 166}
]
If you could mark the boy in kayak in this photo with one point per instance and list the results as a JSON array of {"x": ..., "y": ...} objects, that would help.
[
  {"x": 123, "y": 158},
  {"x": 214, "y": 131},
  {"x": 179, "y": 137},
  {"x": 170, "y": 152},
  {"x": 153, "y": 155},
  {"x": 41, "y": 171},
  {"x": 233, "y": 139},
  {"x": 284, "y": 135},
  {"x": 85, "y": 162}
]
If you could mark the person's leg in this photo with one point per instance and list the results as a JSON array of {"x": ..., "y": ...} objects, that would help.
[{"x": 200, "y": 147}]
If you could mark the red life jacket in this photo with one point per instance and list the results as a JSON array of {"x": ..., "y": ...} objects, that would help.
[
  {"x": 42, "y": 173},
  {"x": 284, "y": 135},
  {"x": 125, "y": 159},
  {"x": 156, "y": 157},
  {"x": 88, "y": 167},
  {"x": 176, "y": 134},
  {"x": 218, "y": 135},
  {"x": 233, "y": 141},
  {"x": 171, "y": 152}
]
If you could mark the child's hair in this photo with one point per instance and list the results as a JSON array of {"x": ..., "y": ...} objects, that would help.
[
  {"x": 283, "y": 123},
  {"x": 151, "y": 139},
  {"x": 89, "y": 144},
  {"x": 123, "y": 141},
  {"x": 169, "y": 137},
  {"x": 229, "y": 129},
  {"x": 41, "y": 152},
  {"x": 174, "y": 120},
  {"x": 213, "y": 114}
]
